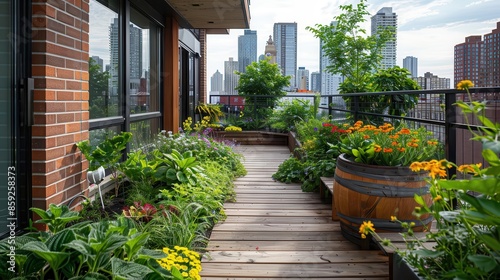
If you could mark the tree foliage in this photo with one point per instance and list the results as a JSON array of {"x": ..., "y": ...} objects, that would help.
[
  {"x": 352, "y": 54},
  {"x": 99, "y": 91},
  {"x": 262, "y": 85}
]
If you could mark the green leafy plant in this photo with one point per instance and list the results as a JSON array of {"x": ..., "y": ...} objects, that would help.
[
  {"x": 467, "y": 211},
  {"x": 56, "y": 217},
  {"x": 107, "y": 154},
  {"x": 289, "y": 113},
  {"x": 99, "y": 250},
  {"x": 178, "y": 168}
]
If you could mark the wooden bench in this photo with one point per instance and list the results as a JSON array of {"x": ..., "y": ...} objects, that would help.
[
  {"x": 327, "y": 184},
  {"x": 397, "y": 268}
]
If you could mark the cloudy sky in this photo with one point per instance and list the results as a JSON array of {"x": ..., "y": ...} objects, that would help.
[{"x": 427, "y": 29}]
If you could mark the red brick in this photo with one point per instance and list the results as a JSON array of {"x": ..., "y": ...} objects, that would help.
[
  {"x": 85, "y": 27},
  {"x": 64, "y": 140},
  {"x": 65, "y": 96},
  {"x": 55, "y": 25},
  {"x": 66, "y": 41},
  {"x": 65, "y": 18},
  {"x": 47, "y": 179},
  {"x": 43, "y": 35},
  {"x": 39, "y": 47},
  {"x": 85, "y": 95},
  {"x": 48, "y": 154},
  {"x": 74, "y": 169},
  {"x": 85, "y": 6},
  {"x": 46, "y": 95},
  {"x": 48, "y": 130},
  {"x": 49, "y": 83},
  {"x": 73, "y": 64},
  {"x": 43, "y": 192},
  {"x": 85, "y": 47},
  {"x": 73, "y": 127},
  {"x": 74, "y": 106},
  {"x": 73, "y": 191},
  {"x": 47, "y": 59},
  {"x": 43, "y": 167},
  {"x": 66, "y": 183},
  {"x": 71, "y": 149},
  {"x": 73, "y": 32},
  {"x": 43, "y": 143},
  {"x": 44, "y": 119},
  {"x": 63, "y": 51},
  {"x": 77, "y": 85},
  {"x": 56, "y": 199},
  {"x": 84, "y": 135},
  {"x": 43, "y": 10},
  {"x": 37, "y": 70},
  {"x": 65, "y": 117},
  {"x": 48, "y": 107},
  {"x": 39, "y": 22}
]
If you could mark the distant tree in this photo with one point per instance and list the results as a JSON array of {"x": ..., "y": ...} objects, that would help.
[
  {"x": 98, "y": 90},
  {"x": 262, "y": 85}
]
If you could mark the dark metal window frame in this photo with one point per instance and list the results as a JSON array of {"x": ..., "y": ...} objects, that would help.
[{"x": 126, "y": 118}]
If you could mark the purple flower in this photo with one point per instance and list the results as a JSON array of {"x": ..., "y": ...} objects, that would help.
[{"x": 315, "y": 129}]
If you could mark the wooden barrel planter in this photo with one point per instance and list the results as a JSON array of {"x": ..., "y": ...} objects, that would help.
[{"x": 365, "y": 192}]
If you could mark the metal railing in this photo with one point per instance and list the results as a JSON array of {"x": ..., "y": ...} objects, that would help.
[{"x": 433, "y": 110}]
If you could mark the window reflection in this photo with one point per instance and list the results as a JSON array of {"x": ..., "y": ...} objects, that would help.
[
  {"x": 144, "y": 132},
  {"x": 144, "y": 64},
  {"x": 104, "y": 97}
]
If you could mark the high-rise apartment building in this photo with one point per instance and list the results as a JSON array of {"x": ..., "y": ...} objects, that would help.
[
  {"x": 479, "y": 60},
  {"x": 383, "y": 19},
  {"x": 316, "y": 81},
  {"x": 285, "y": 40},
  {"x": 230, "y": 77},
  {"x": 135, "y": 57},
  {"x": 492, "y": 57},
  {"x": 468, "y": 62},
  {"x": 329, "y": 82},
  {"x": 216, "y": 84},
  {"x": 302, "y": 80},
  {"x": 247, "y": 49},
  {"x": 411, "y": 64},
  {"x": 431, "y": 81},
  {"x": 98, "y": 61}
]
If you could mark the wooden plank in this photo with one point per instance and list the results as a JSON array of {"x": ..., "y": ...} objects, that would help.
[
  {"x": 272, "y": 206},
  {"x": 286, "y": 245},
  {"x": 278, "y": 199},
  {"x": 278, "y": 212},
  {"x": 258, "y": 196},
  {"x": 276, "y": 235},
  {"x": 276, "y": 227},
  {"x": 295, "y": 270},
  {"x": 276, "y": 220},
  {"x": 293, "y": 278},
  {"x": 294, "y": 257}
]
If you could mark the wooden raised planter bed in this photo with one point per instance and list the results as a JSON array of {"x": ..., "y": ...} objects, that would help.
[{"x": 254, "y": 137}]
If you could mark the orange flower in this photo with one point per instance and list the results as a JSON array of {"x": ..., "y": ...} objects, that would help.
[
  {"x": 470, "y": 168},
  {"x": 401, "y": 149},
  {"x": 394, "y": 137},
  {"x": 378, "y": 149},
  {"x": 394, "y": 143},
  {"x": 387, "y": 150},
  {"x": 405, "y": 131},
  {"x": 366, "y": 136}
]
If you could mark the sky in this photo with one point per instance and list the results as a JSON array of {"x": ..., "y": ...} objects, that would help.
[{"x": 427, "y": 29}]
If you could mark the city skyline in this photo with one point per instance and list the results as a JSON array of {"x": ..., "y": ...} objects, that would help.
[{"x": 427, "y": 29}]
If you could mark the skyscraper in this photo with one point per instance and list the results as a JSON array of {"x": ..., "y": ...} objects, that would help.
[
  {"x": 216, "y": 82},
  {"x": 230, "y": 78},
  {"x": 270, "y": 50},
  {"x": 99, "y": 62},
  {"x": 135, "y": 56},
  {"x": 411, "y": 64},
  {"x": 468, "y": 62},
  {"x": 492, "y": 57},
  {"x": 302, "y": 80},
  {"x": 329, "y": 82},
  {"x": 316, "y": 81},
  {"x": 386, "y": 18},
  {"x": 247, "y": 49},
  {"x": 285, "y": 40}
]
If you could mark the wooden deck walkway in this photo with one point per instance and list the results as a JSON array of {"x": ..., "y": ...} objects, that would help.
[{"x": 274, "y": 231}]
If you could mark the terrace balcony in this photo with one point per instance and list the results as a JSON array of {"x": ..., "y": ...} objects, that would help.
[{"x": 274, "y": 230}]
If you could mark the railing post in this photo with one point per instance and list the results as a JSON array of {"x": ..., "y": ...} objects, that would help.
[
  {"x": 330, "y": 106},
  {"x": 355, "y": 108},
  {"x": 450, "y": 132}
]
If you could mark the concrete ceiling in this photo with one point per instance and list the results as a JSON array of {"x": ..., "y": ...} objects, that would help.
[{"x": 213, "y": 15}]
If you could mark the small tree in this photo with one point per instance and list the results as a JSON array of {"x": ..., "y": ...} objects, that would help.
[
  {"x": 262, "y": 85},
  {"x": 351, "y": 54}
]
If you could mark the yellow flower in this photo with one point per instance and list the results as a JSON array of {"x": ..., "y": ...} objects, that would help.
[
  {"x": 366, "y": 227},
  {"x": 393, "y": 218},
  {"x": 465, "y": 84},
  {"x": 437, "y": 198}
]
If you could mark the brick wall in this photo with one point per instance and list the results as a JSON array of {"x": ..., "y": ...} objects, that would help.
[
  {"x": 203, "y": 66},
  {"x": 60, "y": 69}
]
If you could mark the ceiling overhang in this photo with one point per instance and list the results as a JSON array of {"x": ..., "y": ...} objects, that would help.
[{"x": 216, "y": 16}]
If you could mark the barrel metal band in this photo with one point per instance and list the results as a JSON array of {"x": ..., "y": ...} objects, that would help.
[
  {"x": 374, "y": 189},
  {"x": 385, "y": 224},
  {"x": 401, "y": 174}
]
